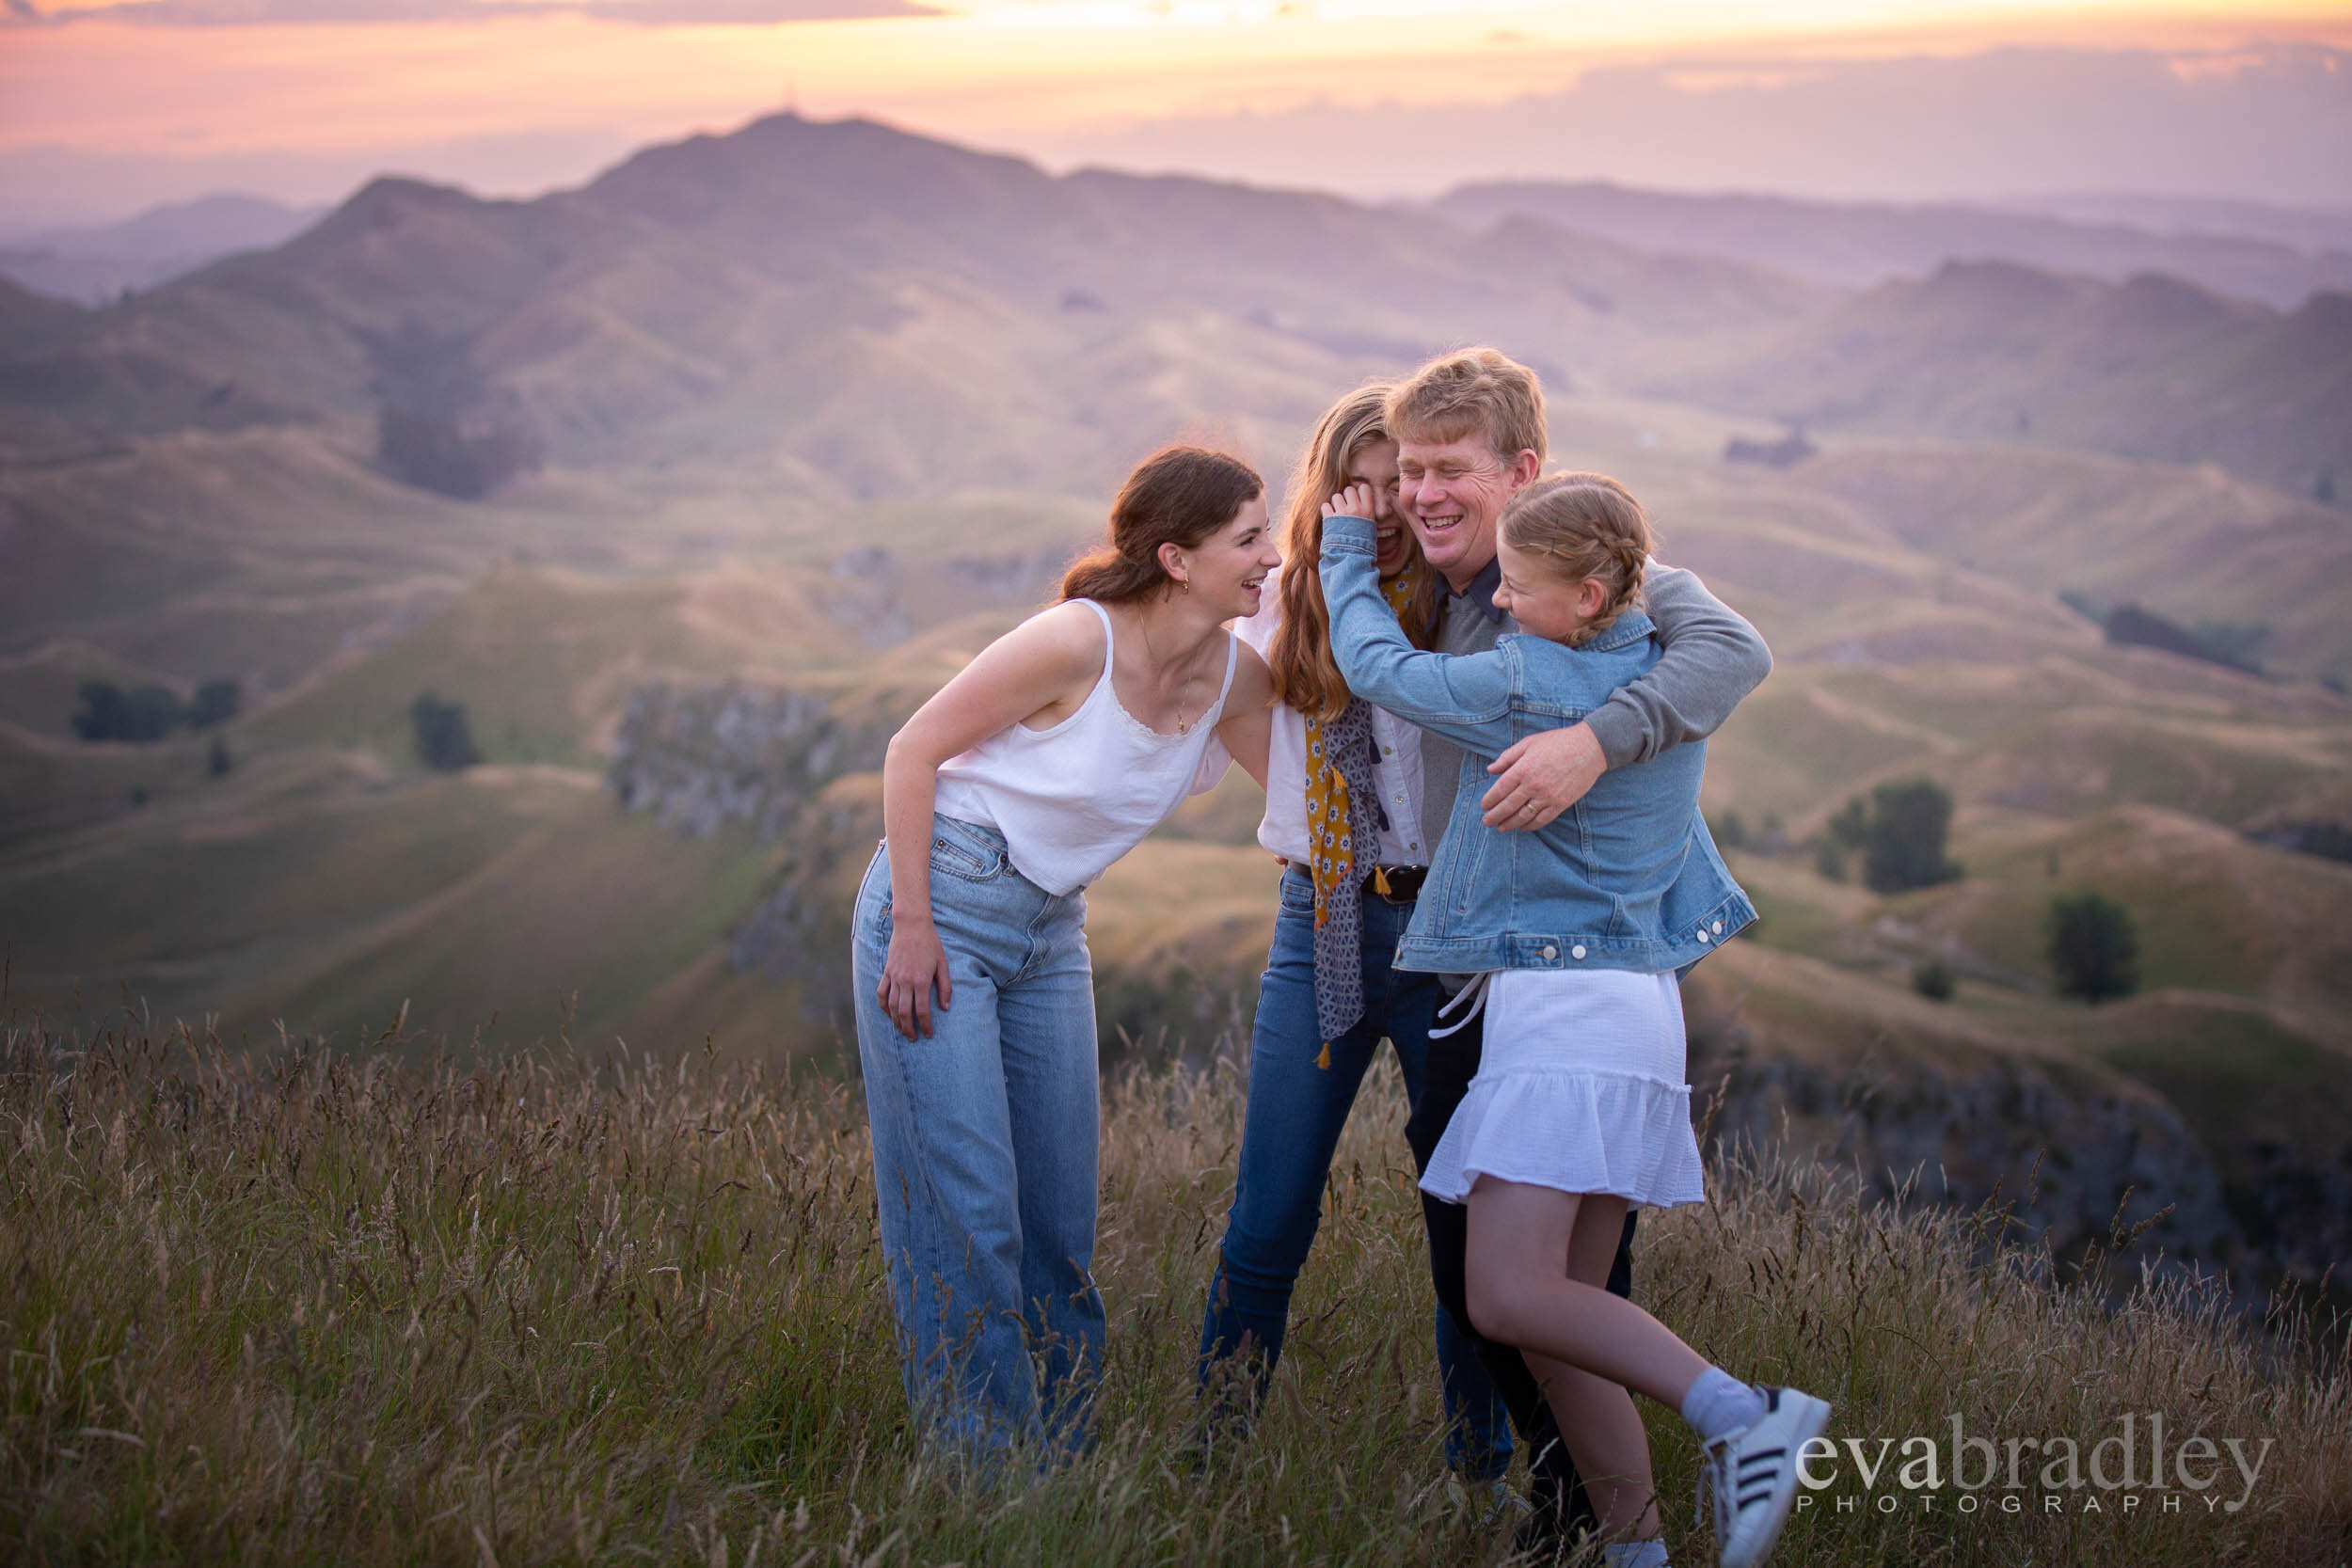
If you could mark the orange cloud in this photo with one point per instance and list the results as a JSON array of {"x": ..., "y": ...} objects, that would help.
[{"x": 985, "y": 70}]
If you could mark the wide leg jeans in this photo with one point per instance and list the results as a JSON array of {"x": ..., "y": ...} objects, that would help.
[{"x": 986, "y": 1138}]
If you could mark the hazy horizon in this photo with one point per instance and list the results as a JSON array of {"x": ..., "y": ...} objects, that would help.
[{"x": 304, "y": 102}]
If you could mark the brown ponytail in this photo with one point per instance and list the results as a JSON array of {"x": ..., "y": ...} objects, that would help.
[
  {"x": 1177, "y": 496},
  {"x": 1584, "y": 525}
]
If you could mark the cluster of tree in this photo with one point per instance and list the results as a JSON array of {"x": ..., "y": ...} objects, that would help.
[
  {"x": 2088, "y": 939},
  {"x": 2327, "y": 840},
  {"x": 2130, "y": 626},
  {"x": 444, "y": 739},
  {"x": 1899, "y": 831},
  {"x": 107, "y": 712},
  {"x": 440, "y": 425},
  {"x": 1769, "y": 837},
  {"x": 2233, "y": 645},
  {"x": 462, "y": 454}
]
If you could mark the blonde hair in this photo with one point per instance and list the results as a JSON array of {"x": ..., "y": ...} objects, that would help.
[
  {"x": 1477, "y": 391},
  {"x": 1179, "y": 495},
  {"x": 1584, "y": 525},
  {"x": 1306, "y": 676}
]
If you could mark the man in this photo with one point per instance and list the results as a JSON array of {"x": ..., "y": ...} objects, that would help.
[{"x": 1470, "y": 434}]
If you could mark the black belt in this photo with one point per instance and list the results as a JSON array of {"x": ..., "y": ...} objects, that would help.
[{"x": 1398, "y": 884}]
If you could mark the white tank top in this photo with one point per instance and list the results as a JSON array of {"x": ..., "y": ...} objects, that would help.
[{"x": 1074, "y": 798}]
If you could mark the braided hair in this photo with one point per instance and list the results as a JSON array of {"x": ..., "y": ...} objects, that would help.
[{"x": 1584, "y": 525}]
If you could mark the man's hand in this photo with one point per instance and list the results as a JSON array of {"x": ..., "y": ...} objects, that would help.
[{"x": 1543, "y": 776}]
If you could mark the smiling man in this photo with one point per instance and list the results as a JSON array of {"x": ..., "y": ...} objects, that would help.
[{"x": 1470, "y": 432}]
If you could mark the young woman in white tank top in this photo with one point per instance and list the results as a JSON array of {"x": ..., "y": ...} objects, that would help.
[{"x": 1049, "y": 756}]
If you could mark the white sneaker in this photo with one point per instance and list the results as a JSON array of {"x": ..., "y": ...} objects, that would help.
[{"x": 1753, "y": 1475}]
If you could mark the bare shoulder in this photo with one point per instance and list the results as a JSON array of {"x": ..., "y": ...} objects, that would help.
[
  {"x": 1066, "y": 639},
  {"x": 1253, "y": 683}
]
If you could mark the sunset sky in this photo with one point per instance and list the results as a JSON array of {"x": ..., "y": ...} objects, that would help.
[{"x": 106, "y": 105}]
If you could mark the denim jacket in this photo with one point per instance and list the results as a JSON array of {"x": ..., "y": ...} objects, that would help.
[{"x": 1627, "y": 878}]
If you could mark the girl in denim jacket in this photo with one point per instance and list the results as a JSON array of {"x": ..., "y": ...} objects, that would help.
[{"x": 1579, "y": 1108}]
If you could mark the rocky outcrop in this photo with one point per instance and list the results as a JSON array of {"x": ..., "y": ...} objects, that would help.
[
  {"x": 2076, "y": 1164},
  {"x": 700, "y": 759},
  {"x": 2296, "y": 1207},
  {"x": 788, "y": 763},
  {"x": 798, "y": 935}
]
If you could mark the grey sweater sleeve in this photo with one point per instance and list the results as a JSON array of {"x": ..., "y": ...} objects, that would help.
[{"x": 1709, "y": 659}]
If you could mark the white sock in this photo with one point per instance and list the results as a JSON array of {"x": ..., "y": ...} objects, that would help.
[
  {"x": 1635, "y": 1554},
  {"x": 1720, "y": 1404}
]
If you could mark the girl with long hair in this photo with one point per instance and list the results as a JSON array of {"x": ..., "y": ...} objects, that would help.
[{"x": 1343, "y": 790}]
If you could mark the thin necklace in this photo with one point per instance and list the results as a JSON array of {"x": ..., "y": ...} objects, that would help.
[{"x": 1183, "y": 726}]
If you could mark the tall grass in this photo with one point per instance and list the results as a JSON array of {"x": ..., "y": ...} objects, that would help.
[{"x": 311, "y": 1308}]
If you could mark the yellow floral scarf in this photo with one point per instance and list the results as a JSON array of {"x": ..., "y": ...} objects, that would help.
[{"x": 1341, "y": 816}]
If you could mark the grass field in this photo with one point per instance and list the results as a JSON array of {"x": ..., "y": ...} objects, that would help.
[{"x": 316, "y": 1308}]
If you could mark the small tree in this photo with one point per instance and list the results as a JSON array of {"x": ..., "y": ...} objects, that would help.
[
  {"x": 1934, "y": 980},
  {"x": 110, "y": 713},
  {"x": 219, "y": 761},
  {"x": 103, "y": 714},
  {"x": 1900, "y": 832},
  {"x": 444, "y": 740},
  {"x": 2094, "y": 948}
]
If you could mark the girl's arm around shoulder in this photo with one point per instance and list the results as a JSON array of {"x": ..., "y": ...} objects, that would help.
[
  {"x": 1467, "y": 698},
  {"x": 1246, "y": 734}
]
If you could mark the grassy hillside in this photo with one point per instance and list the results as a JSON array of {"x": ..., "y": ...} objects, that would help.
[
  {"x": 1901, "y": 654},
  {"x": 376, "y": 1311},
  {"x": 822, "y": 408},
  {"x": 2194, "y": 546},
  {"x": 563, "y": 927}
]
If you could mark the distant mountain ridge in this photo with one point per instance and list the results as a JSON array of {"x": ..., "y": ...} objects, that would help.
[
  {"x": 1867, "y": 243},
  {"x": 2311, "y": 230},
  {"x": 862, "y": 310},
  {"x": 2152, "y": 368},
  {"x": 94, "y": 263}
]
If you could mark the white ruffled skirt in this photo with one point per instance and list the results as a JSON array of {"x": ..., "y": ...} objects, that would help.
[{"x": 1581, "y": 1087}]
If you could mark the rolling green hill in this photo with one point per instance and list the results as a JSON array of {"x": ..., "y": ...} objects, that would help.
[{"x": 800, "y": 418}]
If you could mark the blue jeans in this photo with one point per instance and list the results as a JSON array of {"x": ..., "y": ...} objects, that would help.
[
  {"x": 985, "y": 1143},
  {"x": 1291, "y": 1126}
]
